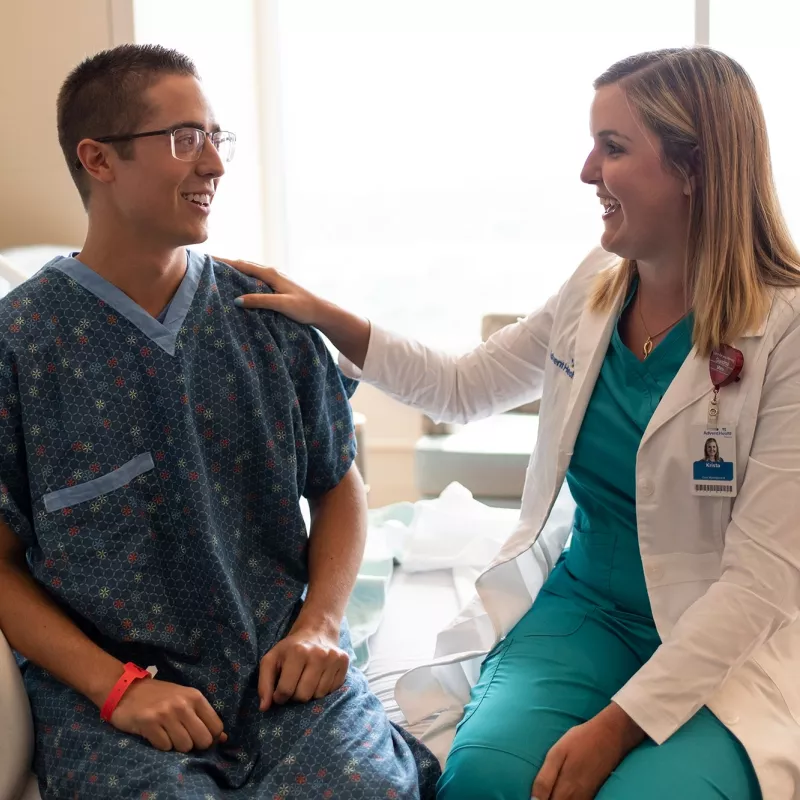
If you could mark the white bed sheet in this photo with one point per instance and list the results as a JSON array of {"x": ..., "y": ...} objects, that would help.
[{"x": 418, "y": 606}]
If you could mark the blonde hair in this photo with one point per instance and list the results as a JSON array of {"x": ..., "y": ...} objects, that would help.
[{"x": 704, "y": 108}]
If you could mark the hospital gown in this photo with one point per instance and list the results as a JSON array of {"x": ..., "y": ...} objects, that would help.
[{"x": 154, "y": 472}]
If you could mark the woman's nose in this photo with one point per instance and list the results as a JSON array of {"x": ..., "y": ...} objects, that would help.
[{"x": 591, "y": 170}]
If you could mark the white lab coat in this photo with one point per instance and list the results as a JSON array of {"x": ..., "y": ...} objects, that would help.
[{"x": 723, "y": 575}]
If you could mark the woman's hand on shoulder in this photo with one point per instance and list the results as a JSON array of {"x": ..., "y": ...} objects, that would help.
[
  {"x": 348, "y": 332},
  {"x": 288, "y": 298}
]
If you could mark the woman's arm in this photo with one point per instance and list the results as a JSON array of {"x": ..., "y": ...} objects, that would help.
[
  {"x": 758, "y": 592},
  {"x": 499, "y": 375}
]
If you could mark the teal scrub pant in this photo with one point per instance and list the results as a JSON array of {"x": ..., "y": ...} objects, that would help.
[{"x": 558, "y": 668}]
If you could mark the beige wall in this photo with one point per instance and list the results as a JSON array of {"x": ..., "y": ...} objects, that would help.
[
  {"x": 41, "y": 41},
  {"x": 391, "y": 431}
]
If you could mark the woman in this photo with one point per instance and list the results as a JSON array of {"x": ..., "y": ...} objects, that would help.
[
  {"x": 711, "y": 450},
  {"x": 659, "y": 658}
]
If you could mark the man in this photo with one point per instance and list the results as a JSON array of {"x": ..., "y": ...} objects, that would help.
[{"x": 154, "y": 446}]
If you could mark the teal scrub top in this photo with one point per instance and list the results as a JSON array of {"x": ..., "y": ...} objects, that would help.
[
  {"x": 604, "y": 553},
  {"x": 590, "y": 628}
]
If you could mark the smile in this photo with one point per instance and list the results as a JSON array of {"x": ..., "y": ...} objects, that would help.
[
  {"x": 203, "y": 200},
  {"x": 610, "y": 205}
]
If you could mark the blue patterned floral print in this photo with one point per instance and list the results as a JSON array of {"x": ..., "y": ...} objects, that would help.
[{"x": 154, "y": 471}]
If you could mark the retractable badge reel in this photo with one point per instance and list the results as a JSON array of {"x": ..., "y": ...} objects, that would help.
[
  {"x": 714, "y": 444},
  {"x": 724, "y": 365}
]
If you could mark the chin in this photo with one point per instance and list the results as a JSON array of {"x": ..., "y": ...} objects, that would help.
[
  {"x": 608, "y": 243},
  {"x": 611, "y": 242},
  {"x": 196, "y": 236}
]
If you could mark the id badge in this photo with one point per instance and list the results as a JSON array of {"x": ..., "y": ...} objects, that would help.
[{"x": 714, "y": 461}]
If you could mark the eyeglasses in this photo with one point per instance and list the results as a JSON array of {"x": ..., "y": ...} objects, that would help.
[{"x": 187, "y": 143}]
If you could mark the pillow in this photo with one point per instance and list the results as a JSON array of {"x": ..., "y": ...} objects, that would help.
[
  {"x": 11, "y": 274},
  {"x": 16, "y": 727},
  {"x": 29, "y": 259}
]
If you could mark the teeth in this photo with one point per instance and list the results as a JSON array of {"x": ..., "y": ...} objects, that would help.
[
  {"x": 205, "y": 199},
  {"x": 608, "y": 204}
]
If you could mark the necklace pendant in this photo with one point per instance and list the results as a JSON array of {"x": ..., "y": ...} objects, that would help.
[{"x": 648, "y": 347}]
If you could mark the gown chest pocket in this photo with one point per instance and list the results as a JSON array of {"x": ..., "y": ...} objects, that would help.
[{"x": 90, "y": 490}]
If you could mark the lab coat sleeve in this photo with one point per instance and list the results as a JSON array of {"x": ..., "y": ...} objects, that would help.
[
  {"x": 498, "y": 375},
  {"x": 758, "y": 592}
]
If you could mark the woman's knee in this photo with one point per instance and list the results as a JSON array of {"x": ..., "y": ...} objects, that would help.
[
  {"x": 482, "y": 773},
  {"x": 702, "y": 761}
]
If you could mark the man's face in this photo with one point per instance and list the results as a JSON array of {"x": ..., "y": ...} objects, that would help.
[{"x": 158, "y": 195}]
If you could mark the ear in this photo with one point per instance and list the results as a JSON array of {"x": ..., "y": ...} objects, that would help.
[
  {"x": 95, "y": 159},
  {"x": 694, "y": 172}
]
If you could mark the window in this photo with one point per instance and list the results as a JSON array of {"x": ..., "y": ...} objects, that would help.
[
  {"x": 433, "y": 147},
  {"x": 763, "y": 38},
  {"x": 222, "y": 46},
  {"x": 429, "y": 150}
]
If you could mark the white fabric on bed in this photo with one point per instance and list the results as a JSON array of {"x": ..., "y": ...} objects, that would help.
[
  {"x": 442, "y": 546},
  {"x": 453, "y": 534},
  {"x": 418, "y": 606},
  {"x": 16, "y": 727}
]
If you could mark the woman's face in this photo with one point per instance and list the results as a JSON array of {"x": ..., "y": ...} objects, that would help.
[
  {"x": 646, "y": 208},
  {"x": 711, "y": 450}
]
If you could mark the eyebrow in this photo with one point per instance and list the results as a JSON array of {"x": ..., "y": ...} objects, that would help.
[
  {"x": 610, "y": 132},
  {"x": 188, "y": 123}
]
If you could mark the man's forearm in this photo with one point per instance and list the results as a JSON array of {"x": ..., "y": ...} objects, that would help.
[
  {"x": 36, "y": 627},
  {"x": 336, "y": 547}
]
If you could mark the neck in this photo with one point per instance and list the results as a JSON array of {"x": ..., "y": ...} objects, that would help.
[
  {"x": 662, "y": 285},
  {"x": 148, "y": 272}
]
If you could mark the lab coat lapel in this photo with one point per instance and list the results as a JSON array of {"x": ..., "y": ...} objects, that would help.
[
  {"x": 693, "y": 381},
  {"x": 591, "y": 343},
  {"x": 690, "y": 384}
]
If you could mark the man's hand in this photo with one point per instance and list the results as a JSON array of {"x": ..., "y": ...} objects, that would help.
[
  {"x": 579, "y": 763},
  {"x": 307, "y": 664},
  {"x": 169, "y": 716}
]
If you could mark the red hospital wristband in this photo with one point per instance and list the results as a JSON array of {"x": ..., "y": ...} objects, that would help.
[{"x": 132, "y": 673}]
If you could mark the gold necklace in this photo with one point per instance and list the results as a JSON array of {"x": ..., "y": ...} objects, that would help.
[{"x": 648, "y": 345}]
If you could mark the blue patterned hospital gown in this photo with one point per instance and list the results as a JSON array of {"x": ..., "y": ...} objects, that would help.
[{"x": 154, "y": 472}]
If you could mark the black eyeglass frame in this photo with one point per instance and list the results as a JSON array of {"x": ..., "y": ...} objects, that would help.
[{"x": 128, "y": 137}]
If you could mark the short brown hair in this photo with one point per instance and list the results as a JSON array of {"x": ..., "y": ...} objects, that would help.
[{"x": 103, "y": 96}]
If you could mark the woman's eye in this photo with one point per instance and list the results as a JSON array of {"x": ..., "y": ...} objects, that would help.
[{"x": 613, "y": 149}]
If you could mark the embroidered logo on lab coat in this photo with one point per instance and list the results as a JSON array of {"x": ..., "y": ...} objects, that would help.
[{"x": 568, "y": 368}]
